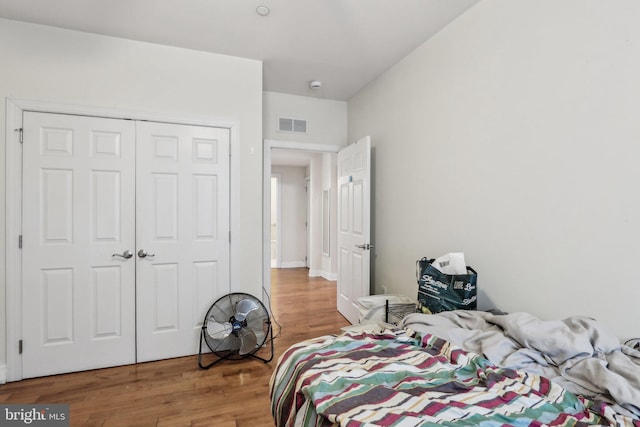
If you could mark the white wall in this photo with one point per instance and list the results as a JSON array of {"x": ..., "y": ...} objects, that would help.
[
  {"x": 514, "y": 135},
  {"x": 48, "y": 64},
  {"x": 315, "y": 216},
  {"x": 330, "y": 183},
  {"x": 327, "y": 119},
  {"x": 320, "y": 169},
  {"x": 293, "y": 205}
]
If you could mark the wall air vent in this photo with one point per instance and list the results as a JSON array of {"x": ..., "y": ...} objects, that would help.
[{"x": 292, "y": 125}]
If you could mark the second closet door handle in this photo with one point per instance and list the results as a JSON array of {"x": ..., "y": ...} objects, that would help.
[{"x": 143, "y": 254}]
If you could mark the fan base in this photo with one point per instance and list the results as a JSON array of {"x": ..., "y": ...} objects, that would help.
[{"x": 233, "y": 355}]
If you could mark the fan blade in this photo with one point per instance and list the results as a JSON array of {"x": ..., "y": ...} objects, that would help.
[
  {"x": 231, "y": 343},
  {"x": 218, "y": 330},
  {"x": 248, "y": 340},
  {"x": 243, "y": 309}
]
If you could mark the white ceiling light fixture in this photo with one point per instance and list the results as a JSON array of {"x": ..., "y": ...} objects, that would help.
[
  {"x": 315, "y": 84},
  {"x": 263, "y": 10}
]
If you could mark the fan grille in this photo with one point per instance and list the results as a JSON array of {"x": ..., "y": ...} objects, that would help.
[{"x": 230, "y": 334}]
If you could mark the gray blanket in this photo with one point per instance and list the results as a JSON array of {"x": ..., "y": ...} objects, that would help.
[{"x": 579, "y": 353}]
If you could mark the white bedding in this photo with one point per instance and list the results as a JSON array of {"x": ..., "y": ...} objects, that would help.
[{"x": 579, "y": 353}]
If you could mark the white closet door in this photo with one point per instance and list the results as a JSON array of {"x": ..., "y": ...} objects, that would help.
[
  {"x": 78, "y": 207},
  {"x": 182, "y": 224}
]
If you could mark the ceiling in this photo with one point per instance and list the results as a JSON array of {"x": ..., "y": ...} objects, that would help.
[{"x": 343, "y": 43}]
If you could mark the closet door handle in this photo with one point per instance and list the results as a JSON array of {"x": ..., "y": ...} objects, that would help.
[
  {"x": 126, "y": 254},
  {"x": 143, "y": 254}
]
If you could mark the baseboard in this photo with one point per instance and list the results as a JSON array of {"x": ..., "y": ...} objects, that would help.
[
  {"x": 3, "y": 374},
  {"x": 332, "y": 277},
  {"x": 293, "y": 264}
]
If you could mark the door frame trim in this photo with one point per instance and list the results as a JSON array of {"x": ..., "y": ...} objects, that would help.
[
  {"x": 13, "y": 197},
  {"x": 278, "y": 220}
]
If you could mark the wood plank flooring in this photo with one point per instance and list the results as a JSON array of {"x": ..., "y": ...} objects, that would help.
[{"x": 176, "y": 392}]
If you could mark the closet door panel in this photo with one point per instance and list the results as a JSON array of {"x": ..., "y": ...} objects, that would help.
[
  {"x": 78, "y": 211},
  {"x": 183, "y": 229}
]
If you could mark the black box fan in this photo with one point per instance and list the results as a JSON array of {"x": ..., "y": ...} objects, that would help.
[{"x": 236, "y": 326}]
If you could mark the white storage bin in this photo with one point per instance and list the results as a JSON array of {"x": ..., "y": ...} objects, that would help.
[{"x": 372, "y": 307}]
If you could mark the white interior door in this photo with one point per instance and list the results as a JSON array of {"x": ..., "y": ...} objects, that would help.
[
  {"x": 78, "y": 203},
  {"x": 183, "y": 225},
  {"x": 354, "y": 226}
]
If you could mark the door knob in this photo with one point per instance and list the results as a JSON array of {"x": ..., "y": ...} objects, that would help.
[
  {"x": 143, "y": 254},
  {"x": 364, "y": 246},
  {"x": 126, "y": 254}
]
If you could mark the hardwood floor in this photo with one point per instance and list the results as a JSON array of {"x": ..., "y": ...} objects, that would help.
[{"x": 176, "y": 392}]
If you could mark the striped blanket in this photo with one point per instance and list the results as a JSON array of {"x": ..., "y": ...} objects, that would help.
[{"x": 366, "y": 379}]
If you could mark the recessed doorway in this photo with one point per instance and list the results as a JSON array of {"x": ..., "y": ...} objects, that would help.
[{"x": 305, "y": 171}]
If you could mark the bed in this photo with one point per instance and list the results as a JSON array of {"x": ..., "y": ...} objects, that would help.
[{"x": 461, "y": 368}]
